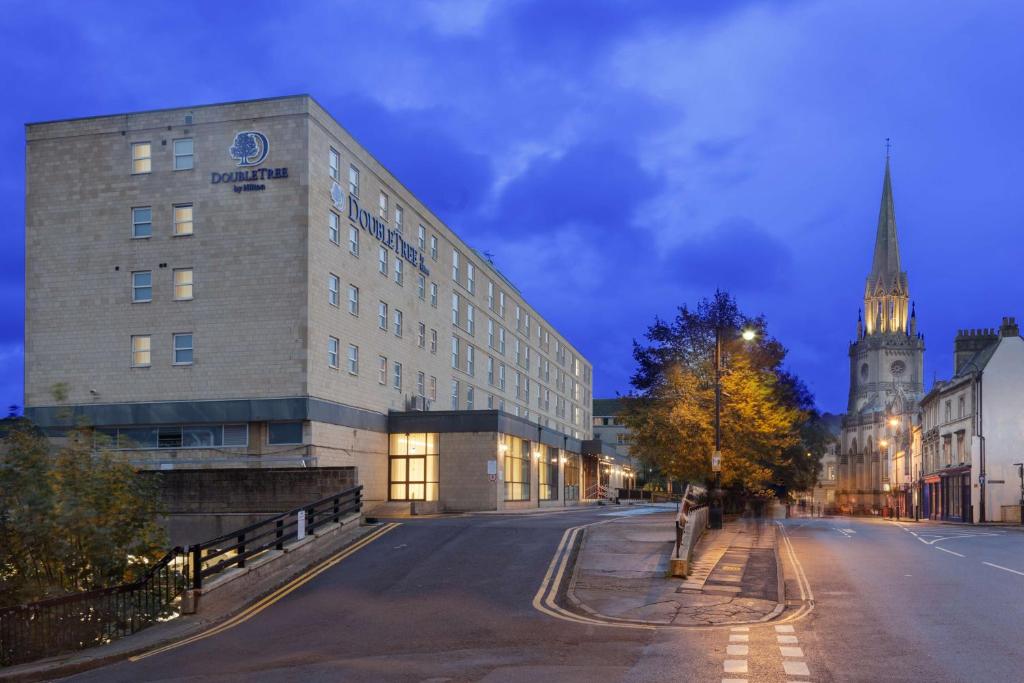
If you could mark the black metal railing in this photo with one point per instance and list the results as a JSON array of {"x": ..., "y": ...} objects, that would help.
[
  {"x": 82, "y": 620},
  {"x": 238, "y": 547}
]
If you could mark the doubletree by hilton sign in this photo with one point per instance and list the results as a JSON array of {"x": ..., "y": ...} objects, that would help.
[
  {"x": 392, "y": 239},
  {"x": 250, "y": 148}
]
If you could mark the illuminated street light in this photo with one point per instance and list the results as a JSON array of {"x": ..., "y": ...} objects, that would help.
[
  {"x": 749, "y": 335},
  {"x": 894, "y": 422},
  {"x": 883, "y": 443}
]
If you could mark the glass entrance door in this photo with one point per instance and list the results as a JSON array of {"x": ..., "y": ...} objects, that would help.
[{"x": 413, "y": 467}]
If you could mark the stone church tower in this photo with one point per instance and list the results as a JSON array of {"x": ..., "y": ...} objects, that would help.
[{"x": 886, "y": 373}]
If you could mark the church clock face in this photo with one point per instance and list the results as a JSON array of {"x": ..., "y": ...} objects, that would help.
[{"x": 897, "y": 368}]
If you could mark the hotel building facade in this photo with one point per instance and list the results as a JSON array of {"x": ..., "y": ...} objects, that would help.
[{"x": 243, "y": 284}]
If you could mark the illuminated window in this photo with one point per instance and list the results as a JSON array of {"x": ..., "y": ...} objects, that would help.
[
  {"x": 142, "y": 286},
  {"x": 547, "y": 473},
  {"x": 142, "y": 347},
  {"x": 182, "y": 220},
  {"x": 141, "y": 157},
  {"x": 517, "y": 467},
  {"x": 413, "y": 467},
  {"x": 142, "y": 221},
  {"x": 182, "y": 284},
  {"x": 183, "y": 154}
]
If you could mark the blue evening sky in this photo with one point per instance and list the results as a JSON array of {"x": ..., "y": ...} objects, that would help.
[{"x": 618, "y": 158}]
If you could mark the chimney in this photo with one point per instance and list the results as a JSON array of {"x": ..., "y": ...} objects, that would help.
[
  {"x": 969, "y": 342},
  {"x": 1009, "y": 328}
]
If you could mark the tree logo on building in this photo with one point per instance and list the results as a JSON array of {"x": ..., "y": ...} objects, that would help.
[
  {"x": 337, "y": 196},
  {"x": 250, "y": 148}
]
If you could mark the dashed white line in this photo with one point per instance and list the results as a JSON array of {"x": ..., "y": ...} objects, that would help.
[
  {"x": 785, "y": 628},
  {"x": 947, "y": 550},
  {"x": 786, "y": 640},
  {"x": 734, "y": 680},
  {"x": 737, "y": 650},
  {"x": 792, "y": 652},
  {"x": 735, "y": 666},
  {"x": 738, "y": 638},
  {"x": 796, "y": 669},
  {"x": 1005, "y": 569},
  {"x": 740, "y": 629}
]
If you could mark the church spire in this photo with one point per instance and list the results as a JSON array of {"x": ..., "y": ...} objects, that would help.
[{"x": 886, "y": 261}]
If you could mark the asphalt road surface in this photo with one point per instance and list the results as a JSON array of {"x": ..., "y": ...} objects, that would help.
[{"x": 451, "y": 599}]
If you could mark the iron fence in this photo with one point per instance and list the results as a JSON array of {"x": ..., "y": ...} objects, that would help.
[{"x": 73, "y": 622}]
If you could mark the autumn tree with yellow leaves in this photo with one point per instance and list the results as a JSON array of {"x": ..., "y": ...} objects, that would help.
[{"x": 771, "y": 441}]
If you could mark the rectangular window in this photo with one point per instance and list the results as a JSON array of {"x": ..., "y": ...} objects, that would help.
[
  {"x": 501, "y": 376},
  {"x": 421, "y": 385},
  {"x": 353, "y": 241},
  {"x": 433, "y": 341},
  {"x": 399, "y": 271},
  {"x": 332, "y": 228},
  {"x": 433, "y": 247},
  {"x": 399, "y": 217},
  {"x": 455, "y": 309},
  {"x": 332, "y": 352},
  {"x": 455, "y": 394},
  {"x": 421, "y": 237},
  {"x": 470, "y": 277},
  {"x": 490, "y": 333},
  {"x": 517, "y": 467},
  {"x": 382, "y": 370},
  {"x": 469, "y": 398},
  {"x": 333, "y": 287},
  {"x": 516, "y": 385},
  {"x": 470, "y": 360},
  {"x": 490, "y": 295},
  {"x": 547, "y": 474},
  {"x": 396, "y": 380},
  {"x": 142, "y": 348},
  {"x": 433, "y": 388},
  {"x": 421, "y": 286},
  {"x": 421, "y": 336},
  {"x": 333, "y": 161},
  {"x": 353, "y": 359},
  {"x": 353, "y": 300},
  {"x": 182, "y": 220},
  {"x": 470, "y": 322},
  {"x": 182, "y": 284},
  {"x": 455, "y": 266},
  {"x": 455, "y": 352},
  {"x": 183, "y": 157},
  {"x": 490, "y": 370},
  {"x": 142, "y": 221},
  {"x": 182, "y": 345},
  {"x": 353, "y": 181},
  {"x": 382, "y": 261},
  {"x": 519, "y": 319},
  {"x": 501, "y": 304},
  {"x": 501, "y": 340},
  {"x": 433, "y": 294},
  {"x": 141, "y": 157},
  {"x": 517, "y": 352},
  {"x": 382, "y": 206},
  {"x": 398, "y": 323},
  {"x": 142, "y": 286},
  {"x": 382, "y": 315},
  {"x": 284, "y": 433},
  {"x": 490, "y": 402}
]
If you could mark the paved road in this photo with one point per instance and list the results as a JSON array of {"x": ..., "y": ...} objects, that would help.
[{"x": 451, "y": 599}]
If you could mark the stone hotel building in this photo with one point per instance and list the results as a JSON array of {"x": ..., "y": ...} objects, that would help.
[{"x": 243, "y": 284}]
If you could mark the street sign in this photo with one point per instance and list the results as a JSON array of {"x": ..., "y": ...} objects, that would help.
[
  {"x": 716, "y": 461},
  {"x": 300, "y": 525}
]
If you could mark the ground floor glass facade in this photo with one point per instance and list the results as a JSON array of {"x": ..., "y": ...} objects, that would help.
[{"x": 413, "y": 466}]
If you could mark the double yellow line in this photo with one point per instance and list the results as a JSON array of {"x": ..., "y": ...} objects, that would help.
[{"x": 284, "y": 590}]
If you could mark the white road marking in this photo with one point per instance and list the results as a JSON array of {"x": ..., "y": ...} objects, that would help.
[
  {"x": 735, "y": 666},
  {"x": 849, "y": 531},
  {"x": 734, "y": 680},
  {"x": 739, "y": 638},
  {"x": 939, "y": 547},
  {"x": 742, "y": 629},
  {"x": 737, "y": 650},
  {"x": 1005, "y": 569},
  {"x": 792, "y": 652},
  {"x": 785, "y": 628},
  {"x": 796, "y": 669},
  {"x": 786, "y": 640}
]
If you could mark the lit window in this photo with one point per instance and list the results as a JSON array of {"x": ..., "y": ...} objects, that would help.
[
  {"x": 455, "y": 352},
  {"x": 333, "y": 284},
  {"x": 142, "y": 221},
  {"x": 422, "y": 238},
  {"x": 142, "y": 286},
  {"x": 183, "y": 157},
  {"x": 182, "y": 349},
  {"x": 382, "y": 261},
  {"x": 332, "y": 164},
  {"x": 332, "y": 227},
  {"x": 433, "y": 247},
  {"x": 182, "y": 220},
  {"x": 398, "y": 323},
  {"x": 421, "y": 336},
  {"x": 353, "y": 241},
  {"x": 382, "y": 206},
  {"x": 141, "y": 157},
  {"x": 182, "y": 284},
  {"x": 353, "y": 300},
  {"x": 353, "y": 359},
  {"x": 421, "y": 286},
  {"x": 142, "y": 347},
  {"x": 382, "y": 315},
  {"x": 382, "y": 370},
  {"x": 332, "y": 352},
  {"x": 433, "y": 294},
  {"x": 353, "y": 181},
  {"x": 396, "y": 379},
  {"x": 399, "y": 271}
]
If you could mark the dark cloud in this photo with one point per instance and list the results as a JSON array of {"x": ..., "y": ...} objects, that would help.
[{"x": 736, "y": 256}]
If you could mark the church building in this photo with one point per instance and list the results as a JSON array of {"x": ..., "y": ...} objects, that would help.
[{"x": 886, "y": 375}]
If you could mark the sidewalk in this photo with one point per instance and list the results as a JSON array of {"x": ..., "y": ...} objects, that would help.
[{"x": 621, "y": 568}]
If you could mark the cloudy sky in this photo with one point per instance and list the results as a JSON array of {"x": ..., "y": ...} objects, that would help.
[{"x": 618, "y": 158}]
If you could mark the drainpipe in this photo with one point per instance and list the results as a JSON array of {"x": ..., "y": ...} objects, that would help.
[{"x": 981, "y": 437}]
